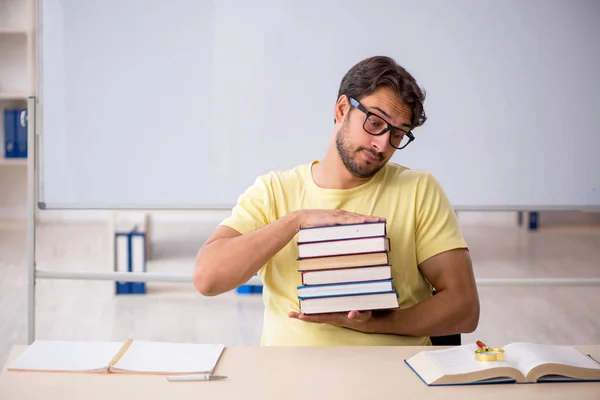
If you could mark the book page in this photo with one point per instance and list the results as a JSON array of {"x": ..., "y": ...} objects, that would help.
[
  {"x": 461, "y": 360},
  {"x": 527, "y": 356},
  {"x": 66, "y": 356},
  {"x": 169, "y": 358}
]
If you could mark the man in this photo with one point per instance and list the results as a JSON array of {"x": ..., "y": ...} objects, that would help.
[{"x": 378, "y": 104}]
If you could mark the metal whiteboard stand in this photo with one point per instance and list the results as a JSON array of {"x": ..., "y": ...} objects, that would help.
[
  {"x": 31, "y": 204},
  {"x": 33, "y": 167}
]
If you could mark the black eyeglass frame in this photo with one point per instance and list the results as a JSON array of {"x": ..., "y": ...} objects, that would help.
[{"x": 390, "y": 127}]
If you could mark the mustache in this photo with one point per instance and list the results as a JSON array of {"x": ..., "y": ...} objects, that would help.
[{"x": 376, "y": 154}]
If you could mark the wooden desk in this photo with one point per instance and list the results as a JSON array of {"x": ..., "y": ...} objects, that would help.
[{"x": 306, "y": 373}]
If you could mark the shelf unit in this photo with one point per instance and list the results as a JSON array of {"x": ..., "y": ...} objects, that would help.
[
  {"x": 17, "y": 83},
  {"x": 17, "y": 62}
]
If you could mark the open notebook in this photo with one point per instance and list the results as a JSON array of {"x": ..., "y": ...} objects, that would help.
[
  {"x": 523, "y": 363},
  {"x": 137, "y": 357}
]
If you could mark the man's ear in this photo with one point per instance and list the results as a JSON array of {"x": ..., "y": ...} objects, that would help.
[{"x": 342, "y": 107}]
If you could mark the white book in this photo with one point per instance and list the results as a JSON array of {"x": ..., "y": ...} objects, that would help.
[
  {"x": 62, "y": 356},
  {"x": 169, "y": 358},
  {"x": 137, "y": 357},
  {"x": 138, "y": 253},
  {"x": 349, "y": 231},
  {"x": 121, "y": 253},
  {"x": 522, "y": 363},
  {"x": 346, "y": 246}
]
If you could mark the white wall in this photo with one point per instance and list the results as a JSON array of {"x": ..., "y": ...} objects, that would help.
[
  {"x": 252, "y": 97},
  {"x": 13, "y": 192}
]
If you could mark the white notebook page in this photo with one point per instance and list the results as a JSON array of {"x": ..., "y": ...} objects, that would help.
[
  {"x": 45, "y": 355},
  {"x": 170, "y": 358},
  {"x": 461, "y": 360},
  {"x": 527, "y": 356}
]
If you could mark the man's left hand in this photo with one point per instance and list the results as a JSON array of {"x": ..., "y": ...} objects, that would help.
[{"x": 357, "y": 320}]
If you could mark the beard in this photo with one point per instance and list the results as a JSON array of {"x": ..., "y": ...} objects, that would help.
[{"x": 348, "y": 156}]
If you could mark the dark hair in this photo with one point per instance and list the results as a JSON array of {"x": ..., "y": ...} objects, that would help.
[{"x": 374, "y": 72}]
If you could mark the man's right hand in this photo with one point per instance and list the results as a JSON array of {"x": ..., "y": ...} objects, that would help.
[
  {"x": 229, "y": 259},
  {"x": 312, "y": 218}
]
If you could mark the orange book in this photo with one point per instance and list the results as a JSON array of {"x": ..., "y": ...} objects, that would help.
[{"x": 343, "y": 261}]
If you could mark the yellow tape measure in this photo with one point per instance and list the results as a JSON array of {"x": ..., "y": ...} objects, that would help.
[{"x": 485, "y": 353}]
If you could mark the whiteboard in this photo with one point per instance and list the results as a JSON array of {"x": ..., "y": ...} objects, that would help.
[{"x": 181, "y": 104}]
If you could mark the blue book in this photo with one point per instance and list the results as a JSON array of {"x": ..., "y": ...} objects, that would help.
[
  {"x": 344, "y": 288},
  {"x": 21, "y": 135},
  {"x": 10, "y": 133}
]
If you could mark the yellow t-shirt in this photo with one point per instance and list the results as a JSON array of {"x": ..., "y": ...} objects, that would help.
[{"x": 420, "y": 223}]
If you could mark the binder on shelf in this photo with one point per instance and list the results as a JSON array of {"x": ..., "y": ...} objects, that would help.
[
  {"x": 10, "y": 134},
  {"x": 130, "y": 256},
  {"x": 121, "y": 260},
  {"x": 138, "y": 259},
  {"x": 21, "y": 134}
]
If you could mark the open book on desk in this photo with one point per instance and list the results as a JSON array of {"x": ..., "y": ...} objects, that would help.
[
  {"x": 522, "y": 363},
  {"x": 131, "y": 356}
]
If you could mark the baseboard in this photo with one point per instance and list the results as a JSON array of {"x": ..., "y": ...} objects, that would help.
[
  {"x": 213, "y": 217},
  {"x": 68, "y": 216},
  {"x": 570, "y": 218},
  {"x": 210, "y": 217},
  {"x": 495, "y": 218}
]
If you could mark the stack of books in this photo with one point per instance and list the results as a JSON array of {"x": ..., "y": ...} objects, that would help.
[{"x": 344, "y": 268}]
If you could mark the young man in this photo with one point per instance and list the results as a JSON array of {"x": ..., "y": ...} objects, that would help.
[{"x": 378, "y": 104}]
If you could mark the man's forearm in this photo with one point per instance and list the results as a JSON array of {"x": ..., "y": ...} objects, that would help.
[
  {"x": 227, "y": 263},
  {"x": 445, "y": 313}
]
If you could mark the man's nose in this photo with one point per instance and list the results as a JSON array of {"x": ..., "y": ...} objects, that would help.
[{"x": 380, "y": 143}]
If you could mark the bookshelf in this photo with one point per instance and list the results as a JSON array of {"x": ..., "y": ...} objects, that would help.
[
  {"x": 17, "y": 82},
  {"x": 17, "y": 61}
]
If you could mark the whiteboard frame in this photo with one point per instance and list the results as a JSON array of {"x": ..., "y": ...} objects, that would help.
[{"x": 42, "y": 205}]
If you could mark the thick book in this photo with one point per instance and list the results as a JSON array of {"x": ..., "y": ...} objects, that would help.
[
  {"x": 348, "y": 231},
  {"x": 344, "y": 261},
  {"x": 344, "y": 303},
  {"x": 338, "y": 289},
  {"x": 522, "y": 363},
  {"x": 339, "y": 275},
  {"x": 344, "y": 247},
  {"x": 131, "y": 356}
]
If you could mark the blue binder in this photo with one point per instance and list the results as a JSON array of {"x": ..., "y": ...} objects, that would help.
[
  {"x": 21, "y": 135},
  {"x": 122, "y": 261},
  {"x": 10, "y": 133},
  {"x": 137, "y": 287},
  {"x": 124, "y": 242}
]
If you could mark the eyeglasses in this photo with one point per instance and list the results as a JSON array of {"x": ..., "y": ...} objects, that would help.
[{"x": 375, "y": 125}]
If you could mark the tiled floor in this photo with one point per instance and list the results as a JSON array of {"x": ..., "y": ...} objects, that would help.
[{"x": 89, "y": 310}]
